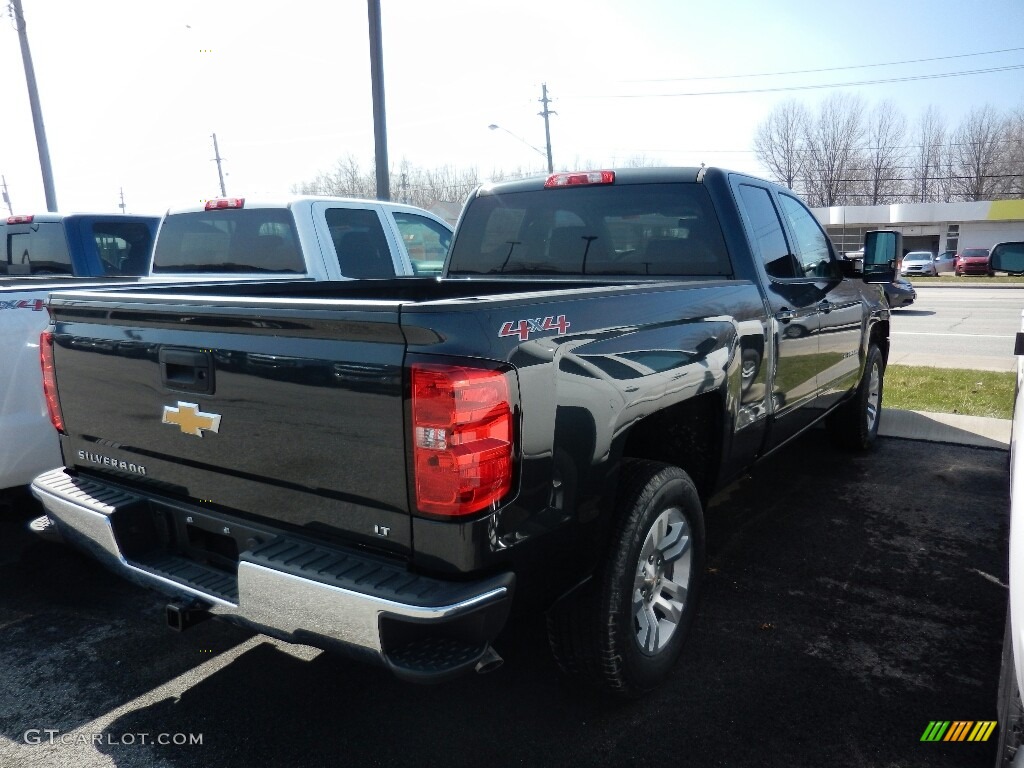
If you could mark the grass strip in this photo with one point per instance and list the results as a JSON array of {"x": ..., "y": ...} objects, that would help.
[{"x": 950, "y": 390}]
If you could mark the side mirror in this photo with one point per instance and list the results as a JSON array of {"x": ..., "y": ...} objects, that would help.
[
  {"x": 1007, "y": 257},
  {"x": 881, "y": 249}
]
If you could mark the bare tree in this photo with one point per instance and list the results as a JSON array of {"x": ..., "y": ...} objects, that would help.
[
  {"x": 416, "y": 186},
  {"x": 884, "y": 154},
  {"x": 1014, "y": 153},
  {"x": 779, "y": 142},
  {"x": 976, "y": 154},
  {"x": 834, "y": 141},
  {"x": 927, "y": 155}
]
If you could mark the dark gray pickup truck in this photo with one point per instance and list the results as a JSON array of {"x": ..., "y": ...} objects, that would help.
[{"x": 388, "y": 467}]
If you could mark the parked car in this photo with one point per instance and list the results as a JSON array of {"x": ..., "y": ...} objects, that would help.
[
  {"x": 919, "y": 263},
  {"x": 945, "y": 262},
  {"x": 973, "y": 261},
  {"x": 1007, "y": 257},
  {"x": 899, "y": 293}
]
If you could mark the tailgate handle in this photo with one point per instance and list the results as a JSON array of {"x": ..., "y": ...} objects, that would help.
[{"x": 187, "y": 369}]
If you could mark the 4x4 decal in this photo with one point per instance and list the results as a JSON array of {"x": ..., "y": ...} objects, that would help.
[
  {"x": 35, "y": 305},
  {"x": 523, "y": 328}
]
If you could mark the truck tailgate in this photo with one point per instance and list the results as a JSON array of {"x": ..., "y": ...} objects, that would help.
[{"x": 272, "y": 416}]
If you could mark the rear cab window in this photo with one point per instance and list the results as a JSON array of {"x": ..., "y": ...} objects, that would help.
[
  {"x": 36, "y": 248},
  {"x": 229, "y": 240},
  {"x": 668, "y": 229},
  {"x": 123, "y": 247}
]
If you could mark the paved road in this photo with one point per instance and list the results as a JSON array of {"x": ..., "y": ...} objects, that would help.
[
  {"x": 849, "y": 601},
  {"x": 958, "y": 327}
]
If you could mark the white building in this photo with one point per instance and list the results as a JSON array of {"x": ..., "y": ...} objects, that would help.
[{"x": 934, "y": 227}]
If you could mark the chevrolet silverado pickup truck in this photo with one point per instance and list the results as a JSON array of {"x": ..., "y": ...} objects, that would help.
[
  {"x": 235, "y": 239},
  {"x": 37, "y": 254},
  {"x": 540, "y": 428}
]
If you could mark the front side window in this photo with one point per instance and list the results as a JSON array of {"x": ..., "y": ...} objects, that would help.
[
  {"x": 425, "y": 240},
  {"x": 812, "y": 244}
]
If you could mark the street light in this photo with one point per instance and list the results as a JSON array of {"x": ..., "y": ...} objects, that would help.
[{"x": 538, "y": 150}]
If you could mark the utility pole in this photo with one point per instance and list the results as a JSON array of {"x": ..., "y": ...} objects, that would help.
[
  {"x": 220, "y": 171},
  {"x": 7, "y": 198},
  {"x": 547, "y": 127},
  {"x": 122, "y": 206},
  {"x": 380, "y": 131},
  {"x": 37, "y": 112}
]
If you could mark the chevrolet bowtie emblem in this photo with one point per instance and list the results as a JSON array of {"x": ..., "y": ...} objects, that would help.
[{"x": 190, "y": 419}]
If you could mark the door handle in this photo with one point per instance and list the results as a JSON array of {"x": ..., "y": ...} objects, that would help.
[{"x": 786, "y": 314}]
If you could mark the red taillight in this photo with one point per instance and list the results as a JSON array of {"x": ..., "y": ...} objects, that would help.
[
  {"x": 582, "y": 178},
  {"x": 50, "y": 380},
  {"x": 225, "y": 202},
  {"x": 20, "y": 219},
  {"x": 462, "y": 438}
]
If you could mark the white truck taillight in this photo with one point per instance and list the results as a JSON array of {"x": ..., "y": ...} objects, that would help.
[
  {"x": 462, "y": 438},
  {"x": 50, "y": 380}
]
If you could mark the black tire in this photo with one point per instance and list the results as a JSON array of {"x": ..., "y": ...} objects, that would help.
[
  {"x": 854, "y": 424},
  {"x": 652, "y": 570},
  {"x": 1009, "y": 710}
]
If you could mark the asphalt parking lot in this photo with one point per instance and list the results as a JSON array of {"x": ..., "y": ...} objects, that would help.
[{"x": 849, "y": 602}]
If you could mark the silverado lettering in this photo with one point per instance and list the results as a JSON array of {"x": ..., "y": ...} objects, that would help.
[{"x": 107, "y": 461}]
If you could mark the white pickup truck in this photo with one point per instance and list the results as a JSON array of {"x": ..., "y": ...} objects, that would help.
[
  {"x": 318, "y": 238},
  {"x": 311, "y": 238}
]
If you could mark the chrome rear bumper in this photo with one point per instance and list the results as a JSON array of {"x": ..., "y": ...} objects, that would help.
[{"x": 293, "y": 589}]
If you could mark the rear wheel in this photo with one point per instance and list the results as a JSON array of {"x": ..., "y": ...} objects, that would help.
[
  {"x": 854, "y": 425},
  {"x": 626, "y": 629}
]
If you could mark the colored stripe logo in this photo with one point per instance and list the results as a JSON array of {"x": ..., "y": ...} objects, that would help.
[{"x": 959, "y": 730}]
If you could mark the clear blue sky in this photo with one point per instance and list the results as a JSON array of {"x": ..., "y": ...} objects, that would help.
[{"x": 132, "y": 89}]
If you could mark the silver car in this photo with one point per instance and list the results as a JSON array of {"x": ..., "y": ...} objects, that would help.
[
  {"x": 919, "y": 263},
  {"x": 945, "y": 262}
]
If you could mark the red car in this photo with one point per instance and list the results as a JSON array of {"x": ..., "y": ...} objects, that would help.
[{"x": 973, "y": 261}]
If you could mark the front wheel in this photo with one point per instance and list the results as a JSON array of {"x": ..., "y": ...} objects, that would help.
[
  {"x": 627, "y": 628},
  {"x": 854, "y": 424}
]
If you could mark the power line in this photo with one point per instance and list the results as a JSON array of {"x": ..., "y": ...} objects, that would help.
[
  {"x": 822, "y": 69},
  {"x": 911, "y": 78}
]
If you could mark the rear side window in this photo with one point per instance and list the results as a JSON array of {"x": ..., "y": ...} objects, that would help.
[
  {"x": 38, "y": 249},
  {"x": 123, "y": 247},
  {"x": 360, "y": 243},
  {"x": 631, "y": 229},
  {"x": 228, "y": 240},
  {"x": 768, "y": 233}
]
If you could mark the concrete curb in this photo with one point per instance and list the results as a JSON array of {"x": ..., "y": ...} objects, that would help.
[
  {"x": 958, "y": 284},
  {"x": 974, "y": 431}
]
